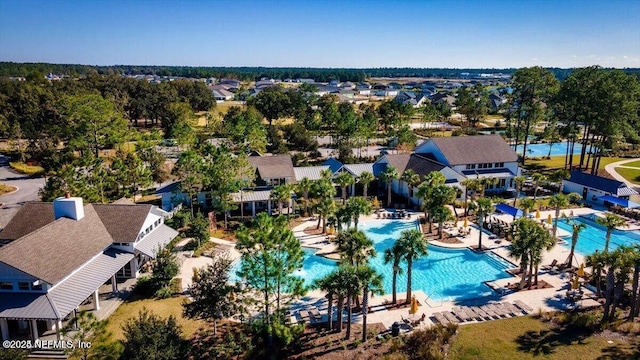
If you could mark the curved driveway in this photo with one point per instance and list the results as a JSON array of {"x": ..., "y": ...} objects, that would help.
[
  {"x": 27, "y": 191},
  {"x": 611, "y": 169}
]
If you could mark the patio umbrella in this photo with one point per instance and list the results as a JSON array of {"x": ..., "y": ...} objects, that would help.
[
  {"x": 580, "y": 271},
  {"x": 414, "y": 305},
  {"x": 549, "y": 219},
  {"x": 537, "y": 213},
  {"x": 466, "y": 223}
]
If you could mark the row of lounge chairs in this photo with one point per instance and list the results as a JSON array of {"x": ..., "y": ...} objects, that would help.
[
  {"x": 497, "y": 227},
  {"x": 461, "y": 314},
  {"x": 311, "y": 314},
  {"x": 394, "y": 215},
  {"x": 632, "y": 216}
]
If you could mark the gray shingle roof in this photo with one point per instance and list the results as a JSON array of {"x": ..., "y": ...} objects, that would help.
[
  {"x": 55, "y": 250},
  {"x": 30, "y": 217},
  {"x": 419, "y": 164},
  {"x": 459, "y": 150},
  {"x": 123, "y": 222},
  {"x": 273, "y": 167}
]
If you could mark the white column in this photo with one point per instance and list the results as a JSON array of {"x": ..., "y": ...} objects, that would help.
[
  {"x": 58, "y": 326},
  {"x": 96, "y": 300},
  {"x": 134, "y": 267},
  {"x": 34, "y": 330},
  {"x": 4, "y": 329},
  {"x": 253, "y": 208},
  {"x": 114, "y": 284}
]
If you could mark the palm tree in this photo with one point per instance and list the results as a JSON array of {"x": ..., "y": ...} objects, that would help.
[
  {"x": 537, "y": 179},
  {"x": 558, "y": 202},
  {"x": 519, "y": 250},
  {"x": 532, "y": 239},
  {"x": 576, "y": 228},
  {"x": 324, "y": 208},
  {"x": 486, "y": 182},
  {"x": 635, "y": 296},
  {"x": 304, "y": 186},
  {"x": 365, "y": 179},
  {"x": 354, "y": 247},
  {"x": 527, "y": 204},
  {"x": 412, "y": 179},
  {"x": 329, "y": 284},
  {"x": 440, "y": 214},
  {"x": 610, "y": 221},
  {"x": 357, "y": 207},
  {"x": 482, "y": 207},
  {"x": 351, "y": 284},
  {"x": 414, "y": 246},
  {"x": 426, "y": 190},
  {"x": 560, "y": 176},
  {"x": 344, "y": 180},
  {"x": 519, "y": 181},
  {"x": 370, "y": 283},
  {"x": 389, "y": 174},
  {"x": 324, "y": 191},
  {"x": 469, "y": 184},
  {"x": 393, "y": 255},
  {"x": 278, "y": 193}
]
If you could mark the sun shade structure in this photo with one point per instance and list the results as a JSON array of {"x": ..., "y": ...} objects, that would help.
[
  {"x": 620, "y": 201},
  {"x": 509, "y": 210}
]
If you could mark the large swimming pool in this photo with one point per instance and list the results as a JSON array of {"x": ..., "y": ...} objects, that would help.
[
  {"x": 592, "y": 238},
  {"x": 538, "y": 150},
  {"x": 444, "y": 274}
]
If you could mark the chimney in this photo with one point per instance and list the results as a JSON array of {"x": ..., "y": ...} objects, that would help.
[{"x": 69, "y": 207}]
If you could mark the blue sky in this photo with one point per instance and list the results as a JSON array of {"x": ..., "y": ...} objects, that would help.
[{"x": 494, "y": 34}]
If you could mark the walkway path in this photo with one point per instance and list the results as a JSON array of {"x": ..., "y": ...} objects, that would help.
[
  {"x": 28, "y": 188},
  {"x": 611, "y": 169}
]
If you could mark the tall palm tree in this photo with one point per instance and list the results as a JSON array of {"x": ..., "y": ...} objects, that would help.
[
  {"x": 426, "y": 190},
  {"x": 519, "y": 250},
  {"x": 610, "y": 221},
  {"x": 576, "y": 227},
  {"x": 304, "y": 186},
  {"x": 519, "y": 181},
  {"x": 324, "y": 192},
  {"x": 533, "y": 238},
  {"x": 560, "y": 176},
  {"x": 414, "y": 246},
  {"x": 352, "y": 286},
  {"x": 324, "y": 207},
  {"x": 388, "y": 175},
  {"x": 357, "y": 207},
  {"x": 527, "y": 204},
  {"x": 537, "y": 179},
  {"x": 344, "y": 180},
  {"x": 371, "y": 284},
  {"x": 412, "y": 179},
  {"x": 469, "y": 184},
  {"x": 440, "y": 215},
  {"x": 365, "y": 179},
  {"x": 329, "y": 284},
  {"x": 558, "y": 202},
  {"x": 486, "y": 182},
  {"x": 394, "y": 255},
  {"x": 281, "y": 194},
  {"x": 354, "y": 247},
  {"x": 482, "y": 208},
  {"x": 635, "y": 284}
]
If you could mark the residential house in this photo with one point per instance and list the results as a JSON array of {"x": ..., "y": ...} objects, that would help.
[
  {"x": 355, "y": 170},
  {"x": 58, "y": 255},
  {"x": 410, "y": 98},
  {"x": 441, "y": 97},
  {"x": 591, "y": 187},
  {"x": 475, "y": 157},
  {"x": 496, "y": 102},
  {"x": 387, "y": 92}
]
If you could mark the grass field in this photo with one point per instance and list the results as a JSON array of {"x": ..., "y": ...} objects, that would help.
[
  {"x": 529, "y": 338},
  {"x": 32, "y": 170},
  {"x": 161, "y": 307},
  {"x": 632, "y": 175},
  {"x": 547, "y": 166},
  {"x": 633, "y": 164}
]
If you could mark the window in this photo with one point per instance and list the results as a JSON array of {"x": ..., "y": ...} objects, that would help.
[
  {"x": 36, "y": 287},
  {"x": 23, "y": 285},
  {"x": 471, "y": 166},
  {"x": 503, "y": 182},
  {"x": 6, "y": 285}
]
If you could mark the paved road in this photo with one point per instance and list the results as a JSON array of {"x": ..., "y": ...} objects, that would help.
[
  {"x": 611, "y": 169},
  {"x": 27, "y": 191}
]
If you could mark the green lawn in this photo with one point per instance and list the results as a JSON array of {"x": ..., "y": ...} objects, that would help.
[
  {"x": 161, "y": 307},
  {"x": 547, "y": 166},
  {"x": 529, "y": 338},
  {"x": 632, "y": 175},
  {"x": 633, "y": 164}
]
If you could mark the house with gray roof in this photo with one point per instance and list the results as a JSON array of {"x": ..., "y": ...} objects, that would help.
[
  {"x": 56, "y": 256},
  {"x": 475, "y": 157},
  {"x": 592, "y": 187}
]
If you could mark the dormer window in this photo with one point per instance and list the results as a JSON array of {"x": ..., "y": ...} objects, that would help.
[
  {"x": 6, "y": 285},
  {"x": 23, "y": 285}
]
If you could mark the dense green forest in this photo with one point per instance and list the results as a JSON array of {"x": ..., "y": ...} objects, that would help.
[{"x": 252, "y": 73}]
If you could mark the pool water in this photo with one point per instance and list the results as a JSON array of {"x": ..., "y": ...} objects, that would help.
[
  {"x": 538, "y": 150},
  {"x": 444, "y": 274},
  {"x": 593, "y": 237}
]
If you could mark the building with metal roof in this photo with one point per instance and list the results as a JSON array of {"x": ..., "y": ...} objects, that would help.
[{"x": 55, "y": 256}]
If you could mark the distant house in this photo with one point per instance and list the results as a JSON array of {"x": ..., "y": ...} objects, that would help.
[
  {"x": 222, "y": 95},
  {"x": 441, "y": 97},
  {"x": 334, "y": 83},
  {"x": 475, "y": 157},
  {"x": 410, "y": 98},
  {"x": 387, "y": 92},
  {"x": 496, "y": 102},
  {"x": 305, "y": 81},
  {"x": 231, "y": 83},
  {"x": 273, "y": 170},
  {"x": 59, "y": 255},
  {"x": 310, "y": 172},
  {"x": 348, "y": 86},
  {"x": 591, "y": 187},
  {"x": 333, "y": 164}
]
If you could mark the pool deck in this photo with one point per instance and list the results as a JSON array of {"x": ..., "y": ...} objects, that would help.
[{"x": 547, "y": 299}]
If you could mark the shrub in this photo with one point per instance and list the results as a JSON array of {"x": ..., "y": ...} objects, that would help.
[
  {"x": 163, "y": 293},
  {"x": 31, "y": 170},
  {"x": 144, "y": 286},
  {"x": 429, "y": 343}
]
